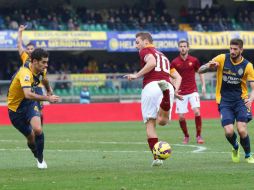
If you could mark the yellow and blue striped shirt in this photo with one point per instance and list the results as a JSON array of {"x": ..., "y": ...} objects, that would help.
[{"x": 232, "y": 78}]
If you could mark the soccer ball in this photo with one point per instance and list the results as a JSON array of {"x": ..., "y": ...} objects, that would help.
[{"x": 162, "y": 150}]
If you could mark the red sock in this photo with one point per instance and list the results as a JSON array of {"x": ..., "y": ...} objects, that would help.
[
  {"x": 166, "y": 95},
  {"x": 198, "y": 122},
  {"x": 151, "y": 143},
  {"x": 165, "y": 102},
  {"x": 183, "y": 126}
]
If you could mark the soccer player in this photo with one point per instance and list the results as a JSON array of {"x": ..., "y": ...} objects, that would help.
[
  {"x": 157, "y": 93},
  {"x": 233, "y": 72},
  {"x": 25, "y": 55},
  {"x": 22, "y": 103},
  {"x": 187, "y": 65}
]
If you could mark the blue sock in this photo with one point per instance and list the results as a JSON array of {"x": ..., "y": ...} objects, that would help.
[
  {"x": 40, "y": 146},
  {"x": 42, "y": 120},
  {"x": 245, "y": 142},
  {"x": 232, "y": 140}
]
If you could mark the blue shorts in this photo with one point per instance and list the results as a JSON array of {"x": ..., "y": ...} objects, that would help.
[
  {"x": 234, "y": 111},
  {"x": 38, "y": 90},
  {"x": 21, "y": 120}
]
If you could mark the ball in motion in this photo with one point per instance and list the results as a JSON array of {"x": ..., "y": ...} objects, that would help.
[{"x": 162, "y": 150}]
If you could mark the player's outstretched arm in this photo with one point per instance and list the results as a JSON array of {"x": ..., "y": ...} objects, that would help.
[
  {"x": 210, "y": 66},
  {"x": 20, "y": 46},
  {"x": 150, "y": 64},
  {"x": 32, "y": 96},
  {"x": 47, "y": 86}
]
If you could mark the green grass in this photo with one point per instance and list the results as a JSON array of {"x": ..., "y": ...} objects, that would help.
[{"x": 115, "y": 156}]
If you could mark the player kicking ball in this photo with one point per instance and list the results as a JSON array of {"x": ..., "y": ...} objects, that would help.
[{"x": 157, "y": 93}]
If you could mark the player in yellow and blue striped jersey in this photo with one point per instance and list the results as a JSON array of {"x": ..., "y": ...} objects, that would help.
[
  {"x": 22, "y": 103},
  {"x": 25, "y": 55},
  {"x": 233, "y": 73}
]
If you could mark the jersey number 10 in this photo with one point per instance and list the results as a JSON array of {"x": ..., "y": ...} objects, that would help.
[{"x": 162, "y": 63}]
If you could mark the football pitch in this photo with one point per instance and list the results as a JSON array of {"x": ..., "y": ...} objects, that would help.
[{"x": 115, "y": 156}]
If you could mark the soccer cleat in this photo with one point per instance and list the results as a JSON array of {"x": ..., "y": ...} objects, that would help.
[
  {"x": 250, "y": 160},
  {"x": 163, "y": 85},
  {"x": 157, "y": 162},
  {"x": 236, "y": 155},
  {"x": 200, "y": 140},
  {"x": 186, "y": 140},
  {"x": 42, "y": 165}
]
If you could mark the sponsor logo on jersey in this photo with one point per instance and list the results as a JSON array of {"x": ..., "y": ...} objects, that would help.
[{"x": 27, "y": 78}]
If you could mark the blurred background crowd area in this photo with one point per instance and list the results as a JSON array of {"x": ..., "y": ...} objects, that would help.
[
  {"x": 117, "y": 16},
  {"x": 104, "y": 15},
  {"x": 135, "y": 15},
  {"x": 75, "y": 62}
]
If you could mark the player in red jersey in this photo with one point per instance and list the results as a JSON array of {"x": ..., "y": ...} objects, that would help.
[
  {"x": 187, "y": 66},
  {"x": 157, "y": 93}
]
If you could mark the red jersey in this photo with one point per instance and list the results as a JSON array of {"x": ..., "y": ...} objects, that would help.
[
  {"x": 187, "y": 69},
  {"x": 162, "y": 69}
]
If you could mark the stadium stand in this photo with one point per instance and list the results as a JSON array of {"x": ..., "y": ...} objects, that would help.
[{"x": 151, "y": 17}]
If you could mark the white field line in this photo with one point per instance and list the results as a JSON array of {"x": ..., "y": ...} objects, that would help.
[
  {"x": 197, "y": 149},
  {"x": 106, "y": 151}
]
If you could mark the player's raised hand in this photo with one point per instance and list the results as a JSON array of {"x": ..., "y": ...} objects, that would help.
[
  {"x": 131, "y": 76},
  {"x": 54, "y": 99},
  {"x": 22, "y": 28}
]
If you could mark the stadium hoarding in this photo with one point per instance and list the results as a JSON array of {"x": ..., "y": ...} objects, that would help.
[
  {"x": 125, "y": 41},
  {"x": 88, "y": 79},
  {"x": 105, "y": 112},
  {"x": 122, "y": 41},
  {"x": 218, "y": 40},
  {"x": 8, "y": 40},
  {"x": 56, "y": 40}
]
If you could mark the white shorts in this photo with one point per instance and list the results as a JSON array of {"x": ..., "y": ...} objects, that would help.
[
  {"x": 182, "y": 105},
  {"x": 151, "y": 97}
]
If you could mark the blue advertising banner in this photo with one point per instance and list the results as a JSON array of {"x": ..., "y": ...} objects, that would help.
[
  {"x": 122, "y": 41},
  {"x": 8, "y": 40},
  {"x": 125, "y": 41},
  {"x": 55, "y": 40}
]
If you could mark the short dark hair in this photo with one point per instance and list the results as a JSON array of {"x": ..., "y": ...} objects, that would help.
[
  {"x": 183, "y": 41},
  {"x": 145, "y": 35},
  {"x": 237, "y": 41},
  {"x": 30, "y": 44},
  {"x": 38, "y": 54}
]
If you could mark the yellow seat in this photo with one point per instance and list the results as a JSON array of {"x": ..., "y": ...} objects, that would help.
[{"x": 185, "y": 27}]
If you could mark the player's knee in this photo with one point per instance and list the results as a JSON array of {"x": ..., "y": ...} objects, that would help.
[
  {"x": 162, "y": 121},
  {"x": 37, "y": 131},
  {"x": 229, "y": 131},
  {"x": 197, "y": 113},
  {"x": 242, "y": 131}
]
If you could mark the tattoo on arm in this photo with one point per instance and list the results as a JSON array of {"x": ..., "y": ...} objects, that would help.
[{"x": 205, "y": 68}]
